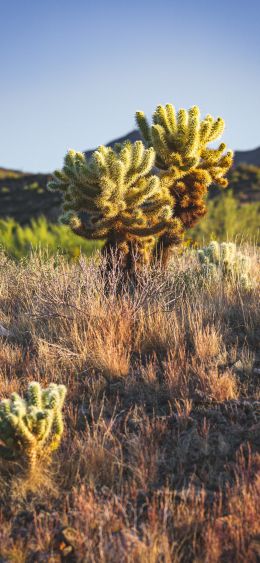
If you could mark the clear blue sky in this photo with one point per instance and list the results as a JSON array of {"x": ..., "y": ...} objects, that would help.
[{"x": 74, "y": 72}]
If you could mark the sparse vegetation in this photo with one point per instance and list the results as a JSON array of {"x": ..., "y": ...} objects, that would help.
[
  {"x": 9, "y": 174},
  {"x": 245, "y": 181},
  {"x": 129, "y": 283},
  {"x": 226, "y": 219},
  {"x": 160, "y": 456}
]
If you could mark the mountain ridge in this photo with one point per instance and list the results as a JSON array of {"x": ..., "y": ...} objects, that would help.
[{"x": 251, "y": 156}]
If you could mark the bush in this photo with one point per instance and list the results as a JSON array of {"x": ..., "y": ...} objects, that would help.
[
  {"x": 227, "y": 218},
  {"x": 19, "y": 241}
]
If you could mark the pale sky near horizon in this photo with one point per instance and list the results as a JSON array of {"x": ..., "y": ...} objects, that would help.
[{"x": 73, "y": 73}]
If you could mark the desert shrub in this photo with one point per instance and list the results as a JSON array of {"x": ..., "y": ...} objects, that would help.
[
  {"x": 31, "y": 187},
  {"x": 19, "y": 241},
  {"x": 5, "y": 173},
  {"x": 228, "y": 218},
  {"x": 225, "y": 219},
  {"x": 33, "y": 426}
]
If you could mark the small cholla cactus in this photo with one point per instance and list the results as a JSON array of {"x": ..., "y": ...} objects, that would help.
[
  {"x": 32, "y": 426},
  {"x": 223, "y": 259}
]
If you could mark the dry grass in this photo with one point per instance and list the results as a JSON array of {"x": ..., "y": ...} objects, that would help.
[{"x": 160, "y": 453}]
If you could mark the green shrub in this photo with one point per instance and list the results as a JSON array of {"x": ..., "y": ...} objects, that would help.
[
  {"x": 31, "y": 187},
  {"x": 18, "y": 241},
  {"x": 227, "y": 218}
]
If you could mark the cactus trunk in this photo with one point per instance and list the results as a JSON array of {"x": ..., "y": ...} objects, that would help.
[{"x": 31, "y": 460}]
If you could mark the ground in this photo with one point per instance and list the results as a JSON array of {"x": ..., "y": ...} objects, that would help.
[{"x": 160, "y": 455}]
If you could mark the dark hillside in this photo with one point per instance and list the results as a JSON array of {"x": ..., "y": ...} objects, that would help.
[
  {"x": 248, "y": 157},
  {"x": 24, "y": 196},
  {"x": 132, "y": 136}
]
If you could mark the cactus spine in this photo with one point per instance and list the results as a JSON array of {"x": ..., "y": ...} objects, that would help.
[{"x": 32, "y": 426}]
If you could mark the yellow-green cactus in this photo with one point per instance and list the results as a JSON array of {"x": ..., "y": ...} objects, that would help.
[
  {"x": 186, "y": 165},
  {"x": 225, "y": 261},
  {"x": 140, "y": 201},
  {"x": 32, "y": 426},
  {"x": 180, "y": 141},
  {"x": 116, "y": 197}
]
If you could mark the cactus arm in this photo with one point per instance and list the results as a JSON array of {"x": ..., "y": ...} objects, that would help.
[
  {"x": 35, "y": 394},
  {"x": 143, "y": 126}
]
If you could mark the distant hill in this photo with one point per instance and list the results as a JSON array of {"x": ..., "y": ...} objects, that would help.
[
  {"x": 247, "y": 157},
  {"x": 132, "y": 136},
  {"x": 24, "y": 196}
]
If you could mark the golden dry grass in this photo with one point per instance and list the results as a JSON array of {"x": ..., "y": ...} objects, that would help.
[{"x": 160, "y": 453}]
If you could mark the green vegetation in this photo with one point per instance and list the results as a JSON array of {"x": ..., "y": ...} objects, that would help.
[
  {"x": 140, "y": 211},
  {"x": 228, "y": 218},
  {"x": 34, "y": 186},
  {"x": 32, "y": 427},
  {"x": 18, "y": 241}
]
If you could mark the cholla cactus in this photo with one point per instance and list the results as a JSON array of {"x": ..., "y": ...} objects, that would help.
[
  {"x": 32, "y": 426},
  {"x": 186, "y": 165},
  {"x": 114, "y": 196},
  {"x": 117, "y": 195},
  {"x": 223, "y": 259}
]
